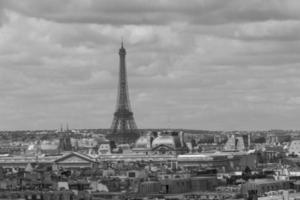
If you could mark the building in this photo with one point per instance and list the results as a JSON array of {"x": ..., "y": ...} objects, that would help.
[
  {"x": 144, "y": 143},
  {"x": 222, "y": 161},
  {"x": 50, "y": 195},
  {"x": 150, "y": 187},
  {"x": 49, "y": 147},
  {"x": 65, "y": 140},
  {"x": 261, "y": 186},
  {"x": 75, "y": 160},
  {"x": 12, "y": 149},
  {"x": 277, "y": 138},
  {"x": 237, "y": 142},
  {"x": 269, "y": 154},
  {"x": 105, "y": 147},
  {"x": 294, "y": 147},
  {"x": 166, "y": 142},
  {"x": 70, "y": 160},
  {"x": 177, "y": 183}
]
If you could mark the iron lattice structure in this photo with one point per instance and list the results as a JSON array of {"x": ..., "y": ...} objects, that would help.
[{"x": 123, "y": 124}]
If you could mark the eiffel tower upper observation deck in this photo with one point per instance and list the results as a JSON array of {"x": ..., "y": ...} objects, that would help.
[{"x": 123, "y": 128}]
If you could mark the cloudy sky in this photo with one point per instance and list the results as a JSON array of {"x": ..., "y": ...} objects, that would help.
[{"x": 199, "y": 64}]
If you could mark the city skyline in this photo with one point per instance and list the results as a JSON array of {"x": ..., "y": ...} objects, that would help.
[{"x": 208, "y": 64}]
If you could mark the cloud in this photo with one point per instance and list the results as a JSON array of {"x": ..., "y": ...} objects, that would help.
[
  {"x": 202, "y": 64},
  {"x": 140, "y": 12},
  {"x": 270, "y": 30}
]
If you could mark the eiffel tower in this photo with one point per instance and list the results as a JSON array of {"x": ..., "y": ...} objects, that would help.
[{"x": 123, "y": 128}]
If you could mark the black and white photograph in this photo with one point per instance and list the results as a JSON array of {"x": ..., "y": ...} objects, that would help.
[{"x": 149, "y": 99}]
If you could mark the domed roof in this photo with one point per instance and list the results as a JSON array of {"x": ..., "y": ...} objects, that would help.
[
  {"x": 168, "y": 140},
  {"x": 143, "y": 142}
]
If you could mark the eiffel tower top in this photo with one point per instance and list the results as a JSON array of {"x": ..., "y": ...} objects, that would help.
[{"x": 122, "y": 50}]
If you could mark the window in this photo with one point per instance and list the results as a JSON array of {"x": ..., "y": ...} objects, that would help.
[{"x": 131, "y": 174}]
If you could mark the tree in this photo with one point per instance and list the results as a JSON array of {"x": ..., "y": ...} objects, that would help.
[{"x": 246, "y": 173}]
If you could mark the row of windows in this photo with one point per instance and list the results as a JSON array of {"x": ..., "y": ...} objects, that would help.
[{"x": 275, "y": 187}]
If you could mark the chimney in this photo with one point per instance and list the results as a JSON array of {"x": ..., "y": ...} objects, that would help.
[
  {"x": 249, "y": 140},
  {"x": 181, "y": 137}
]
